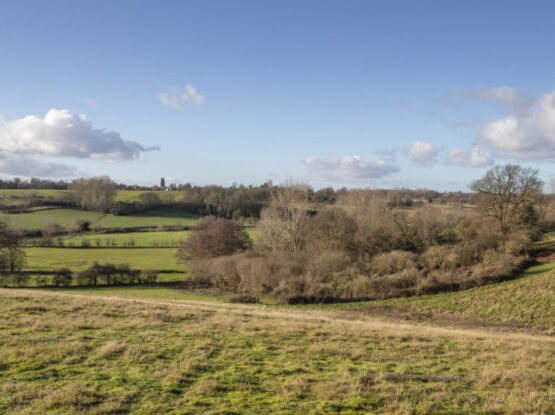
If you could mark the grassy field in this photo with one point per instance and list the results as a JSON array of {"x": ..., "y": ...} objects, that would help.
[
  {"x": 68, "y": 353},
  {"x": 140, "y": 239},
  {"x": 150, "y": 292},
  {"x": 15, "y": 197},
  {"x": 162, "y": 216},
  {"x": 523, "y": 302},
  {"x": 76, "y": 259}
]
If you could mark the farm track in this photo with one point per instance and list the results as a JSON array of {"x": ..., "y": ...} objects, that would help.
[{"x": 332, "y": 317}]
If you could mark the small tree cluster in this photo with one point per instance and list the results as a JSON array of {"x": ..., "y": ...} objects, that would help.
[
  {"x": 110, "y": 274},
  {"x": 97, "y": 194}
]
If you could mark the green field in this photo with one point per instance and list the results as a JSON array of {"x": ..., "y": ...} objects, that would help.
[
  {"x": 162, "y": 216},
  {"x": 526, "y": 301},
  {"x": 71, "y": 353},
  {"x": 76, "y": 259},
  {"x": 15, "y": 197},
  {"x": 139, "y": 239}
]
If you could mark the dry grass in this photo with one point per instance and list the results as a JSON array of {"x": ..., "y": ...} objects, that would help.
[{"x": 70, "y": 353}]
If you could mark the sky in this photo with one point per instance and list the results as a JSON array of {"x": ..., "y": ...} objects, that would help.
[{"x": 379, "y": 94}]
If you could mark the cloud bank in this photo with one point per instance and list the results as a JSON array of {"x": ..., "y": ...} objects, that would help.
[
  {"x": 59, "y": 134},
  {"x": 27, "y": 166},
  {"x": 421, "y": 153},
  {"x": 348, "y": 168},
  {"x": 177, "y": 98}
]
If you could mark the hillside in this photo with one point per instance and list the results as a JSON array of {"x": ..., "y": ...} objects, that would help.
[{"x": 524, "y": 302}]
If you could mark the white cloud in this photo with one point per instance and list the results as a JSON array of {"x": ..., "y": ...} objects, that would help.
[
  {"x": 27, "y": 166},
  {"x": 177, "y": 97},
  {"x": 62, "y": 134},
  {"x": 422, "y": 153},
  {"x": 348, "y": 168},
  {"x": 475, "y": 157},
  {"x": 524, "y": 136},
  {"x": 91, "y": 102}
]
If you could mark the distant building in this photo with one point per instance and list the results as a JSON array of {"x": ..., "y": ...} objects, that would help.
[{"x": 163, "y": 183}]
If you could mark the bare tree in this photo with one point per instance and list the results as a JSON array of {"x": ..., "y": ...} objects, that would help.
[
  {"x": 96, "y": 194},
  {"x": 506, "y": 190},
  {"x": 12, "y": 257},
  {"x": 283, "y": 224},
  {"x": 213, "y": 237}
]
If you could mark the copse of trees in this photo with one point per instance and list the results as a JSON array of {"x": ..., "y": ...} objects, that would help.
[{"x": 96, "y": 194}]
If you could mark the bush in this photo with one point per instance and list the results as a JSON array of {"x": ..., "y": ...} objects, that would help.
[
  {"x": 149, "y": 276},
  {"x": 393, "y": 262},
  {"x": 63, "y": 277}
]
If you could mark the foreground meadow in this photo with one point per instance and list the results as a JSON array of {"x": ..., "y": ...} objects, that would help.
[{"x": 69, "y": 353}]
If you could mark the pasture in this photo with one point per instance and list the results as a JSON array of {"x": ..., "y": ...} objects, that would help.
[
  {"x": 137, "y": 239},
  {"x": 77, "y": 259},
  {"x": 39, "y": 219},
  {"x": 93, "y": 354},
  {"x": 16, "y": 197}
]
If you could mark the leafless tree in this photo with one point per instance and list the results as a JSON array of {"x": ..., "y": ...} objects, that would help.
[
  {"x": 96, "y": 194},
  {"x": 283, "y": 224},
  {"x": 506, "y": 190}
]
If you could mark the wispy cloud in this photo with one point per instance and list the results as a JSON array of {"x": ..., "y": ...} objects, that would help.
[
  {"x": 349, "y": 168},
  {"x": 505, "y": 96},
  {"x": 178, "y": 98},
  {"x": 475, "y": 157},
  {"x": 91, "y": 102}
]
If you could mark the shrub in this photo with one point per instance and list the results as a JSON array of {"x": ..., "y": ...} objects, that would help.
[
  {"x": 149, "y": 276},
  {"x": 62, "y": 277},
  {"x": 392, "y": 262},
  {"x": 213, "y": 237}
]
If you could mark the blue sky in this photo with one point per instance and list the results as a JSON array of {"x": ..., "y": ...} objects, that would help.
[{"x": 355, "y": 93}]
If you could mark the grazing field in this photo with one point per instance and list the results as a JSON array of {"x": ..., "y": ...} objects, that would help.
[
  {"x": 15, "y": 197},
  {"x": 69, "y": 353},
  {"x": 77, "y": 259},
  {"x": 138, "y": 239},
  {"x": 38, "y": 219},
  {"x": 163, "y": 216}
]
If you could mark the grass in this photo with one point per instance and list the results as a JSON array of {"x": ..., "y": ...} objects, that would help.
[
  {"x": 76, "y": 259},
  {"x": 68, "y": 353},
  {"x": 140, "y": 239},
  {"x": 525, "y": 302},
  {"x": 14, "y": 197},
  {"x": 162, "y": 216},
  {"x": 150, "y": 292}
]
